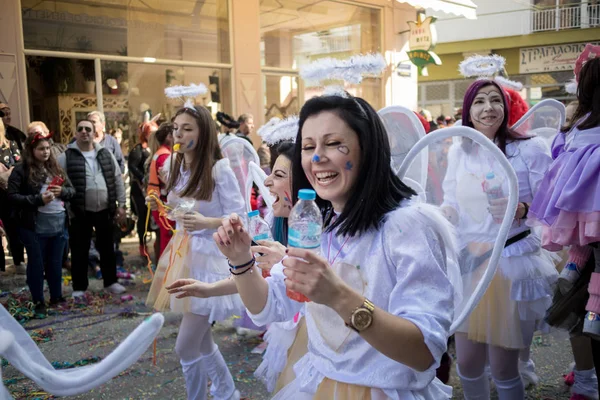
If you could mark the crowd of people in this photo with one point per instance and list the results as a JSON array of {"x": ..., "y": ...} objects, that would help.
[{"x": 386, "y": 262}]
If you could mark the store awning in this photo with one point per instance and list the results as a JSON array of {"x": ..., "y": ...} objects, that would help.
[{"x": 465, "y": 8}]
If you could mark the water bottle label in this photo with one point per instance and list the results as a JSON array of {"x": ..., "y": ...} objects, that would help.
[
  {"x": 308, "y": 238},
  {"x": 262, "y": 236}
]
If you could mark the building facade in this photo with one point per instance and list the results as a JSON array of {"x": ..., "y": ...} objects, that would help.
[
  {"x": 540, "y": 41},
  {"x": 60, "y": 59}
]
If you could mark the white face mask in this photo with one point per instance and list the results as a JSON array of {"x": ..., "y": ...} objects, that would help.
[{"x": 487, "y": 111}]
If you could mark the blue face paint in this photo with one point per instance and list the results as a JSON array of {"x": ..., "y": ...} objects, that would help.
[
  {"x": 316, "y": 158},
  {"x": 190, "y": 144},
  {"x": 349, "y": 166}
]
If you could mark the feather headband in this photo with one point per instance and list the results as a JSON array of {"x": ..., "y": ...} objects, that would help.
[
  {"x": 488, "y": 67},
  {"x": 188, "y": 93},
  {"x": 350, "y": 70},
  {"x": 279, "y": 130}
]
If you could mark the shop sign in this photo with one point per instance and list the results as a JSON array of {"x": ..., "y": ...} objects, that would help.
[
  {"x": 559, "y": 57},
  {"x": 422, "y": 40}
]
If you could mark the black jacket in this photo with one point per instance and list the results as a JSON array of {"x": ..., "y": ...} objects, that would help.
[{"x": 25, "y": 198}]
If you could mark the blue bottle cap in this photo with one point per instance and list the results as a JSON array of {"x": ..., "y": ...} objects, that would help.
[
  {"x": 253, "y": 213},
  {"x": 307, "y": 194},
  {"x": 490, "y": 175}
]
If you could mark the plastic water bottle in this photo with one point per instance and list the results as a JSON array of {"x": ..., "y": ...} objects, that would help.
[
  {"x": 493, "y": 190},
  {"x": 305, "y": 225},
  {"x": 259, "y": 230}
]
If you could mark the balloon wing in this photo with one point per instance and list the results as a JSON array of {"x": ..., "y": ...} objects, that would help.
[
  {"x": 21, "y": 352},
  {"x": 476, "y": 188},
  {"x": 543, "y": 119},
  {"x": 404, "y": 130}
]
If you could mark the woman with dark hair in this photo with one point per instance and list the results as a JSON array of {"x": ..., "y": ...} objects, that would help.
[
  {"x": 568, "y": 209},
  {"x": 136, "y": 160},
  {"x": 364, "y": 290},
  {"x": 201, "y": 185},
  {"x": 158, "y": 179},
  {"x": 37, "y": 189},
  {"x": 510, "y": 311}
]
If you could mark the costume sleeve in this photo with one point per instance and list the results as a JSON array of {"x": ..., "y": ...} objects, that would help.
[
  {"x": 135, "y": 158},
  {"x": 423, "y": 293},
  {"x": 537, "y": 158},
  {"x": 279, "y": 307},
  {"x": 163, "y": 173},
  {"x": 228, "y": 189}
]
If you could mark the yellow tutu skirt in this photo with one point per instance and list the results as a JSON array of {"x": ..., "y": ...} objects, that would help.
[
  {"x": 298, "y": 349},
  {"x": 196, "y": 257}
]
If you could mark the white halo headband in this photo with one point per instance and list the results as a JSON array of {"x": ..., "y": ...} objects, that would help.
[
  {"x": 349, "y": 70},
  {"x": 279, "y": 130},
  {"x": 186, "y": 92},
  {"x": 482, "y": 66}
]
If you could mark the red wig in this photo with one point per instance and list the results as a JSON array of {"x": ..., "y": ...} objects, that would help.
[
  {"x": 146, "y": 128},
  {"x": 518, "y": 106}
]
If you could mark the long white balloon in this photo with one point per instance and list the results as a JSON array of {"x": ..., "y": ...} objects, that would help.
[{"x": 463, "y": 131}]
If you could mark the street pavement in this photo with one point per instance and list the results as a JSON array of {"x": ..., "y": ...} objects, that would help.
[{"x": 88, "y": 334}]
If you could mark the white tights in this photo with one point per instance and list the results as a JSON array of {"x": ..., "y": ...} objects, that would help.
[
  {"x": 504, "y": 366},
  {"x": 200, "y": 359}
]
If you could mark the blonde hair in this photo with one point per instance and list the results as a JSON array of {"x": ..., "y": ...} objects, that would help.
[
  {"x": 40, "y": 124},
  {"x": 3, "y": 141}
]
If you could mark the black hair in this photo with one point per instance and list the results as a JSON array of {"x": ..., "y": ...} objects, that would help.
[
  {"x": 588, "y": 95},
  {"x": 286, "y": 148},
  {"x": 227, "y": 120},
  {"x": 164, "y": 130},
  {"x": 377, "y": 189}
]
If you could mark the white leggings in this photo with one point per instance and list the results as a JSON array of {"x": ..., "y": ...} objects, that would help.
[{"x": 194, "y": 338}]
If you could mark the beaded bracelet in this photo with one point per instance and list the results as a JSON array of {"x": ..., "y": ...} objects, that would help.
[
  {"x": 241, "y": 266},
  {"x": 241, "y": 273}
]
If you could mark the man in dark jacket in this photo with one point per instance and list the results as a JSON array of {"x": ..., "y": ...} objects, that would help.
[
  {"x": 99, "y": 199},
  {"x": 107, "y": 141},
  {"x": 12, "y": 133}
]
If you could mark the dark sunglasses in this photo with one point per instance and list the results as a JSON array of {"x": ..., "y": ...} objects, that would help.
[{"x": 84, "y": 128}]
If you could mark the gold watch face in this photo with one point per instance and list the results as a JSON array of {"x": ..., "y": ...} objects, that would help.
[{"x": 362, "y": 319}]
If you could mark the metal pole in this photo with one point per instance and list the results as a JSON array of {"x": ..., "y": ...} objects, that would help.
[{"x": 98, "y": 71}]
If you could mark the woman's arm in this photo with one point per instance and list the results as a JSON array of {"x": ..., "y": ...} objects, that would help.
[
  {"x": 135, "y": 158},
  {"x": 193, "y": 288},
  {"x": 14, "y": 191}
]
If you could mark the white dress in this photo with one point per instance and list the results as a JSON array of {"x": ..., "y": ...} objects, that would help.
[
  {"x": 198, "y": 256},
  {"x": 522, "y": 287},
  {"x": 401, "y": 268}
]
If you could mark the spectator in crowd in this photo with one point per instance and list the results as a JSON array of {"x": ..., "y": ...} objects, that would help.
[
  {"x": 99, "y": 198},
  {"x": 106, "y": 141},
  {"x": 246, "y": 126},
  {"x": 9, "y": 156},
  {"x": 38, "y": 127},
  {"x": 12, "y": 133},
  {"x": 37, "y": 190}
]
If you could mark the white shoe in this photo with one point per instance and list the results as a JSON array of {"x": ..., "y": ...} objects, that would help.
[
  {"x": 78, "y": 294},
  {"x": 528, "y": 375},
  {"x": 21, "y": 269},
  {"x": 116, "y": 288}
]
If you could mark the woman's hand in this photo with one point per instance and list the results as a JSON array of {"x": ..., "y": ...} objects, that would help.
[
  {"x": 498, "y": 208},
  {"x": 47, "y": 197},
  {"x": 233, "y": 240},
  {"x": 152, "y": 203},
  {"x": 56, "y": 190},
  {"x": 194, "y": 221},
  {"x": 311, "y": 275},
  {"x": 189, "y": 288},
  {"x": 272, "y": 253}
]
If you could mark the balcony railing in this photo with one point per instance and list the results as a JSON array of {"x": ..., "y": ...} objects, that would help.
[{"x": 565, "y": 17}]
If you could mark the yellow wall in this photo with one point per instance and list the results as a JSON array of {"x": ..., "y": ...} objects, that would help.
[{"x": 452, "y": 54}]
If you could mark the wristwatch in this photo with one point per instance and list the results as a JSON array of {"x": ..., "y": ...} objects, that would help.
[{"x": 362, "y": 317}]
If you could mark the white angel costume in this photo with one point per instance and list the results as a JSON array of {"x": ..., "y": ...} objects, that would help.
[
  {"x": 521, "y": 290},
  {"x": 195, "y": 254},
  {"x": 411, "y": 281}
]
